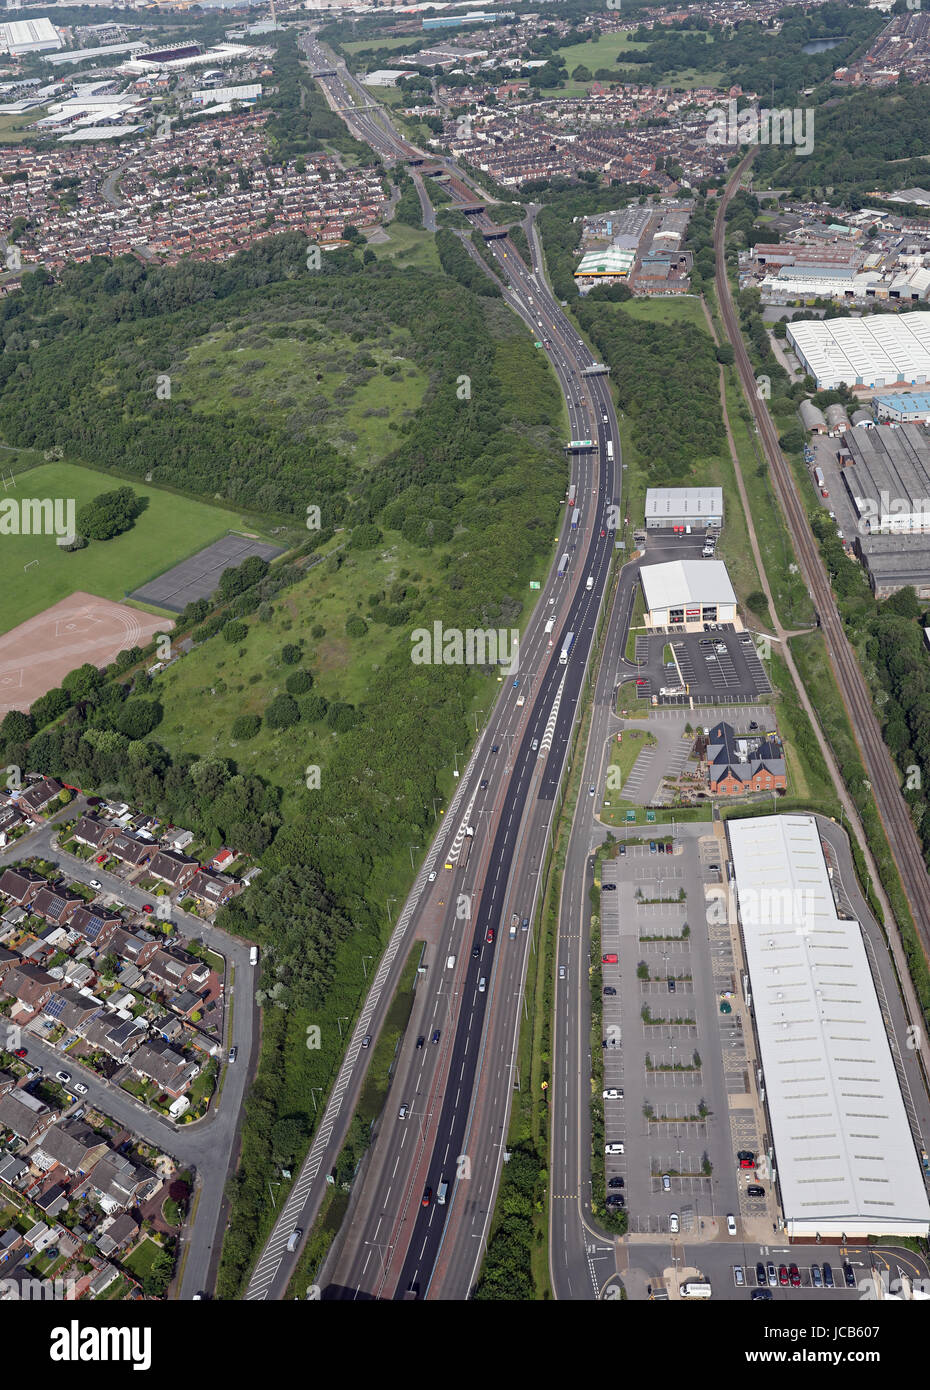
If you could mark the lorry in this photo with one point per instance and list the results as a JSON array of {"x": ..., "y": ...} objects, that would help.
[
  {"x": 566, "y": 648},
  {"x": 576, "y": 517},
  {"x": 818, "y": 477},
  {"x": 572, "y": 491},
  {"x": 514, "y": 923},
  {"x": 610, "y": 450},
  {"x": 548, "y": 629}
]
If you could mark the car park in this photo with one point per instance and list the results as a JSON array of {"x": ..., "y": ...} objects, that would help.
[
  {"x": 827, "y": 1276},
  {"x": 731, "y": 1225},
  {"x": 436, "y": 1035},
  {"x": 849, "y": 1275},
  {"x": 738, "y": 1276},
  {"x": 609, "y": 959},
  {"x": 613, "y": 1149},
  {"x": 816, "y": 1277},
  {"x": 783, "y": 1275}
]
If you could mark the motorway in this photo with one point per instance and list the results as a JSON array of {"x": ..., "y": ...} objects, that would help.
[{"x": 459, "y": 1088}]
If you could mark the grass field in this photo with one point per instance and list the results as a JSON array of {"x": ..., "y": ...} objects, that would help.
[
  {"x": 407, "y": 246},
  {"x": 171, "y": 528},
  {"x": 14, "y": 129}
]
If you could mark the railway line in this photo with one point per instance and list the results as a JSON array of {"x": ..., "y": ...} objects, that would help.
[{"x": 891, "y": 806}]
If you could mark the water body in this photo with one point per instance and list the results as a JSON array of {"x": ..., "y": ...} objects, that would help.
[{"x": 821, "y": 45}]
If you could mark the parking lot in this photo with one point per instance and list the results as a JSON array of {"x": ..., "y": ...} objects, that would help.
[
  {"x": 676, "y": 1058},
  {"x": 716, "y": 665}
]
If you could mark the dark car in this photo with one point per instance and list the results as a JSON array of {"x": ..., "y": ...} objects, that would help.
[
  {"x": 744, "y": 1153},
  {"x": 495, "y": 747},
  {"x": 608, "y": 888},
  {"x": 475, "y": 952},
  {"x": 427, "y": 1197},
  {"x": 671, "y": 985},
  {"x": 762, "y": 1294},
  {"x": 755, "y": 1190},
  {"x": 760, "y": 1274},
  {"x": 484, "y": 784},
  {"x": 794, "y": 1274},
  {"x": 436, "y": 1035},
  {"x": 609, "y": 989},
  {"x": 660, "y": 846},
  {"x": 849, "y": 1274},
  {"x": 623, "y": 849},
  {"x": 827, "y": 1276},
  {"x": 616, "y": 1182},
  {"x": 420, "y": 1041}
]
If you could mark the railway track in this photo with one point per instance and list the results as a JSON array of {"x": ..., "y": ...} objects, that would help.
[{"x": 880, "y": 770}]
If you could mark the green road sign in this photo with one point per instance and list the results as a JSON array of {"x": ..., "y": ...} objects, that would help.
[
  {"x": 537, "y": 344},
  {"x": 650, "y": 816},
  {"x": 631, "y": 815},
  {"x": 535, "y": 584}
]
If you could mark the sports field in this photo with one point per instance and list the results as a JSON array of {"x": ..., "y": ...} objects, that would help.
[
  {"x": 37, "y": 654},
  {"x": 171, "y": 528}
]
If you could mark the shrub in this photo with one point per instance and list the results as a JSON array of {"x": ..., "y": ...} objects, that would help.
[
  {"x": 356, "y": 627},
  {"x": 290, "y": 654},
  {"x": 282, "y": 712},
  {"x": 235, "y": 632},
  {"x": 246, "y": 726},
  {"x": 299, "y": 682}
]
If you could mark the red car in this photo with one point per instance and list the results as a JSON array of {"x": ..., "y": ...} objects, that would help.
[
  {"x": 640, "y": 682},
  {"x": 603, "y": 532},
  {"x": 147, "y": 907},
  {"x": 20, "y": 1052},
  {"x": 795, "y": 1277},
  {"x": 609, "y": 959},
  {"x": 747, "y": 1163},
  {"x": 428, "y": 1197},
  {"x": 782, "y": 1275},
  {"x": 490, "y": 936},
  {"x": 101, "y": 859}
]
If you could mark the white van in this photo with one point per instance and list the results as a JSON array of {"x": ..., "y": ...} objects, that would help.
[
  {"x": 590, "y": 584},
  {"x": 253, "y": 956},
  {"x": 441, "y": 1191},
  {"x": 450, "y": 963}
]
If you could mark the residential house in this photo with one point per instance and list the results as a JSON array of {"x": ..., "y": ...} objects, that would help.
[
  {"x": 71, "y": 1009},
  {"x": 52, "y": 1201},
  {"x": 39, "y": 795},
  {"x": 173, "y": 868},
  {"x": 97, "y": 834},
  {"x": 106, "y": 1275},
  {"x": 178, "y": 839},
  {"x": 11, "y": 817},
  {"x": 7, "y": 960},
  {"x": 118, "y": 1182},
  {"x": 117, "y": 1235},
  {"x": 130, "y": 851},
  {"x": 95, "y": 925},
  {"x": 737, "y": 764},
  {"x": 73, "y": 1145},
  {"x": 7, "y": 1083},
  {"x": 13, "y": 1171},
  {"x": 158, "y": 1062},
  {"x": 21, "y": 885},
  {"x": 57, "y": 907},
  {"x": 137, "y": 947},
  {"x": 10, "y": 1242},
  {"x": 213, "y": 889},
  {"x": 177, "y": 969},
  {"x": 31, "y": 987},
  {"x": 24, "y": 1116},
  {"x": 117, "y": 1037}
]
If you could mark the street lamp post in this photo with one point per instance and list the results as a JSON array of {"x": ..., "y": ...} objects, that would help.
[
  {"x": 411, "y": 849},
  {"x": 364, "y": 958},
  {"x": 388, "y": 909}
]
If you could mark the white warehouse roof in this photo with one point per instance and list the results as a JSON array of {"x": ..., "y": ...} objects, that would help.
[
  {"x": 844, "y": 1151},
  {"x": 679, "y": 582},
  {"x": 872, "y": 351},
  {"x": 673, "y": 502}
]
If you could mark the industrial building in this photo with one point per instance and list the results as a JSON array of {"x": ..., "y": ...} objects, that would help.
[
  {"x": 842, "y": 1149},
  {"x": 610, "y": 262},
  {"x": 875, "y": 351},
  {"x": 812, "y": 417},
  {"x": 905, "y": 408},
  {"x": 683, "y": 506},
  {"x": 893, "y": 562},
  {"x": 682, "y": 595},
  {"x": 888, "y": 479},
  {"x": 29, "y": 36}
]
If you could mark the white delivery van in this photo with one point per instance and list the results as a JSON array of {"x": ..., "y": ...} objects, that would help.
[
  {"x": 450, "y": 963},
  {"x": 590, "y": 584},
  {"x": 253, "y": 956}
]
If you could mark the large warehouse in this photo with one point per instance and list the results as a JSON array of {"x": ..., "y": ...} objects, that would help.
[
  {"x": 28, "y": 36},
  {"x": 889, "y": 479},
  {"x": 875, "y": 351},
  {"x": 844, "y": 1154},
  {"x": 684, "y": 594},
  {"x": 683, "y": 506}
]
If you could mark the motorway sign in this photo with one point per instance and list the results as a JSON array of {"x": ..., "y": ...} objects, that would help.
[
  {"x": 534, "y": 584},
  {"x": 631, "y": 815},
  {"x": 537, "y": 344},
  {"x": 650, "y": 816}
]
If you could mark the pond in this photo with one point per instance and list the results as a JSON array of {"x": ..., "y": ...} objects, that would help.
[{"x": 820, "y": 45}]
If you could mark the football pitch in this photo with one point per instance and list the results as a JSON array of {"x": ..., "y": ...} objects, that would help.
[{"x": 170, "y": 529}]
